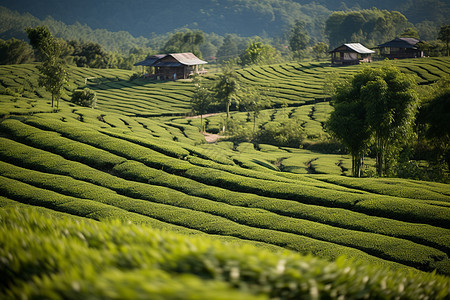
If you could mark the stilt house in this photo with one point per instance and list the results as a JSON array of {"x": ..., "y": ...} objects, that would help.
[
  {"x": 351, "y": 54},
  {"x": 173, "y": 66}
]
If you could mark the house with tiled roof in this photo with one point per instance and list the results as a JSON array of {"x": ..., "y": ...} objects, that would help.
[
  {"x": 173, "y": 66},
  {"x": 401, "y": 48},
  {"x": 351, "y": 54}
]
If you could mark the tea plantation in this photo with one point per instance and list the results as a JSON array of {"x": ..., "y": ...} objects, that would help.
[{"x": 181, "y": 218}]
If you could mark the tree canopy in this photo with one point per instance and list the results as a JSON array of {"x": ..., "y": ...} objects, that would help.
[
  {"x": 373, "y": 26},
  {"x": 187, "y": 41},
  {"x": 53, "y": 75},
  {"x": 376, "y": 106}
]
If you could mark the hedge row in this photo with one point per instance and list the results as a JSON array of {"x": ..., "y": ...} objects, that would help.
[
  {"x": 267, "y": 221},
  {"x": 54, "y": 258},
  {"x": 180, "y": 216},
  {"x": 397, "y": 208},
  {"x": 385, "y": 247}
]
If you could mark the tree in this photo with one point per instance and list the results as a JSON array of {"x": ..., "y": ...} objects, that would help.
[
  {"x": 85, "y": 97},
  {"x": 258, "y": 53},
  {"x": 410, "y": 33},
  {"x": 15, "y": 51},
  {"x": 229, "y": 48},
  {"x": 53, "y": 75},
  {"x": 226, "y": 90},
  {"x": 434, "y": 115},
  {"x": 187, "y": 41},
  {"x": 348, "y": 123},
  {"x": 391, "y": 103},
  {"x": 201, "y": 100},
  {"x": 298, "y": 38},
  {"x": 89, "y": 54},
  {"x": 252, "y": 101},
  {"x": 444, "y": 35},
  {"x": 320, "y": 50},
  {"x": 379, "y": 105}
]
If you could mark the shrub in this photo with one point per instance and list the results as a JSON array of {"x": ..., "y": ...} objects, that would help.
[
  {"x": 286, "y": 133},
  {"x": 44, "y": 256},
  {"x": 85, "y": 97},
  {"x": 136, "y": 75}
]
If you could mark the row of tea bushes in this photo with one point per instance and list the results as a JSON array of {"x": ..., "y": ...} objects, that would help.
[{"x": 51, "y": 257}]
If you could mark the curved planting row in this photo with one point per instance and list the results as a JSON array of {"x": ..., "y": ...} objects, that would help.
[
  {"x": 204, "y": 193},
  {"x": 47, "y": 253}
]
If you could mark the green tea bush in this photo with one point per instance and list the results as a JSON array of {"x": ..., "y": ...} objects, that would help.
[
  {"x": 285, "y": 133},
  {"x": 141, "y": 173},
  {"x": 54, "y": 258},
  {"x": 85, "y": 97}
]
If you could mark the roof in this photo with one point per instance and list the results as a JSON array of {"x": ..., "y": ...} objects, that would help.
[
  {"x": 187, "y": 59},
  {"x": 167, "y": 64},
  {"x": 149, "y": 61},
  {"x": 401, "y": 43},
  {"x": 355, "y": 47}
]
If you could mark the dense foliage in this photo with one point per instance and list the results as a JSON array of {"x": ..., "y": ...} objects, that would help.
[
  {"x": 48, "y": 255},
  {"x": 53, "y": 74},
  {"x": 379, "y": 107},
  {"x": 85, "y": 97},
  {"x": 113, "y": 163}
]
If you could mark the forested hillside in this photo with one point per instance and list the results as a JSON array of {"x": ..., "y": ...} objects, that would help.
[
  {"x": 243, "y": 17},
  {"x": 141, "y": 18}
]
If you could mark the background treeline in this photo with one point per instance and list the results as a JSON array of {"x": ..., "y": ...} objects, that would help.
[
  {"x": 268, "y": 17},
  {"x": 301, "y": 35}
]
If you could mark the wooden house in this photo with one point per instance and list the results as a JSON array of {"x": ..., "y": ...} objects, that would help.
[
  {"x": 401, "y": 48},
  {"x": 173, "y": 66},
  {"x": 351, "y": 54}
]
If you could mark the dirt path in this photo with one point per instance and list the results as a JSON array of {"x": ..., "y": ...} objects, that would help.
[
  {"x": 211, "y": 138},
  {"x": 204, "y": 116}
]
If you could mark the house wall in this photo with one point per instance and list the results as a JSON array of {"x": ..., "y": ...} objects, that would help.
[
  {"x": 349, "y": 58},
  {"x": 399, "y": 53}
]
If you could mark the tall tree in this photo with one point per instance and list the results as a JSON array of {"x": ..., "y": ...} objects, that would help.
[
  {"x": 391, "y": 103},
  {"x": 185, "y": 41},
  {"x": 15, "y": 51},
  {"x": 444, "y": 35},
  {"x": 380, "y": 104},
  {"x": 434, "y": 115},
  {"x": 298, "y": 37},
  {"x": 53, "y": 75},
  {"x": 258, "y": 53},
  {"x": 348, "y": 123},
  {"x": 201, "y": 99},
  {"x": 226, "y": 91},
  {"x": 253, "y": 102},
  {"x": 229, "y": 48}
]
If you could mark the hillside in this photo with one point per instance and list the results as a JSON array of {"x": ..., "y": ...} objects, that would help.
[
  {"x": 141, "y": 19},
  {"x": 116, "y": 163},
  {"x": 127, "y": 200},
  {"x": 268, "y": 17}
]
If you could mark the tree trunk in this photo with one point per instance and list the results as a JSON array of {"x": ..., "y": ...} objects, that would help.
[
  {"x": 356, "y": 165},
  {"x": 228, "y": 117},
  {"x": 201, "y": 123},
  {"x": 380, "y": 156}
]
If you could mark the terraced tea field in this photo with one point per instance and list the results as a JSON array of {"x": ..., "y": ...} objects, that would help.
[{"x": 159, "y": 172}]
